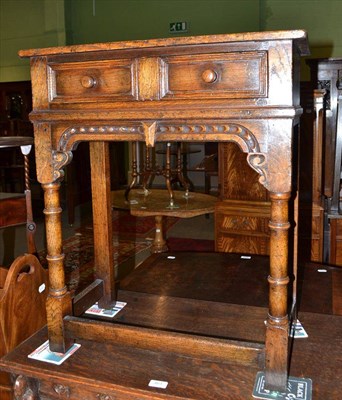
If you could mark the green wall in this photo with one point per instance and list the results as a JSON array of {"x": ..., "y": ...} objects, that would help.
[
  {"x": 43, "y": 23},
  {"x": 320, "y": 18},
  {"x": 90, "y": 21},
  {"x": 27, "y": 24}
]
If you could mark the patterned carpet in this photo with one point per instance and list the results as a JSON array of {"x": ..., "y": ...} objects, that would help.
[{"x": 131, "y": 236}]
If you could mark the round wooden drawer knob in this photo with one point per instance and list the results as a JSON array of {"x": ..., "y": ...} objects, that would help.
[
  {"x": 88, "y": 82},
  {"x": 209, "y": 76}
]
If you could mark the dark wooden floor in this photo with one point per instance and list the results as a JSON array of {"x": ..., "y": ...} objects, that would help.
[{"x": 216, "y": 295}]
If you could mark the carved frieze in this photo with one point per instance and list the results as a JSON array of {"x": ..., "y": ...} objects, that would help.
[
  {"x": 152, "y": 131},
  {"x": 75, "y": 134},
  {"x": 210, "y": 132}
]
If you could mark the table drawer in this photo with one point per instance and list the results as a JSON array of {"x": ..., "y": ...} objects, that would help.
[
  {"x": 248, "y": 223},
  {"x": 84, "y": 82},
  {"x": 242, "y": 227},
  {"x": 218, "y": 75}
]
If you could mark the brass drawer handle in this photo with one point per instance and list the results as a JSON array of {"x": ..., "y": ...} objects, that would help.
[
  {"x": 88, "y": 82},
  {"x": 209, "y": 76}
]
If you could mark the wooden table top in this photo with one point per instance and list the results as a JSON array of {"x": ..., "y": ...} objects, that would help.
[{"x": 157, "y": 203}]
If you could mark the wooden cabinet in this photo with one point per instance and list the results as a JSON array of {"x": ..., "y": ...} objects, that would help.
[
  {"x": 335, "y": 248},
  {"x": 326, "y": 75},
  {"x": 243, "y": 210},
  {"x": 15, "y": 106},
  {"x": 242, "y": 227},
  {"x": 240, "y": 88}
]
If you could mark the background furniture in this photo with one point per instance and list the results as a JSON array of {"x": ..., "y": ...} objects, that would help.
[
  {"x": 15, "y": 106},
  {"x": 16, "y": 208},
  {"x": 209, "y": 165},
  {"x": 23, "y": 286},
  {"x": 326, "y": 75},
  {"x": 211, "y": 88},
  {"x": 157, "y": 204},
  {"x": 177, "y": 169},
  {"x": 243, "y": 210},
  {"x": 173, "y": 168},
  {"x": 23, "y": 293}
]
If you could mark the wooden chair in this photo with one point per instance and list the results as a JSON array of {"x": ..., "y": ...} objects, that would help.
[{"x": 23, "y": 286}]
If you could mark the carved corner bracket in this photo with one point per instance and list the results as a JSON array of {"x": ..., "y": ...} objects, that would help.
[
  {"x": 257, "y": 161},
  {"x": 59, "y": 160}
]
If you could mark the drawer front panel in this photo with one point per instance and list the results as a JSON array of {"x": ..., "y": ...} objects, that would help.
[
  {"x": 241, "y": 233},
  {"x": 84, "y": 82},
  {"x": 236, "y": 223},
  {"x": 242, "y": 244},
  {"x": 232, "y": 75}
]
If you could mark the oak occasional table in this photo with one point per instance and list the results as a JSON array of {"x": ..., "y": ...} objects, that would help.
[
  {"x": 240, "y": 87},
  {"x": 156, "y": 203}
]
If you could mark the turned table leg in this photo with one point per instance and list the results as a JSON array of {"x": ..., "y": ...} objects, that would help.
[
  {"x": 168, "y": 174},
  {"x": 102, "y": 220},
  {"x": 277, "y": 326},
  {"x": 159, "y": 243},
  {"x": 134, "y": 171},
  {"x": 58, "y": 302},
  {"x": 181, "y": 168}
]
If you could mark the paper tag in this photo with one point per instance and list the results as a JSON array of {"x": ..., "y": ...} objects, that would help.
[
  {"x": 43, "y": 353},
  {"x": 158, "y": 384},
  {"x": 297, "y": 389},
  {"x": 297, "y": 331},
  {"x": 41, "y": 288},
  {"x": 95, "y": 310},
  {"x": 246, "y": 257},
  {"x": 171, "y": 257},
  {"x": 322, "y": 270}
]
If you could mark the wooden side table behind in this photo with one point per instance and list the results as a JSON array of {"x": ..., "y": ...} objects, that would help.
[{"x": 157, "y": 204}]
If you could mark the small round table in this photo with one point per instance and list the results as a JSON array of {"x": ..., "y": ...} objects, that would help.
[{"x": 157, "y": 204}]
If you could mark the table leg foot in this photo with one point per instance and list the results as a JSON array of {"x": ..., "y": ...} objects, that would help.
[{"x": 159, "y": 244}]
